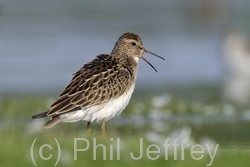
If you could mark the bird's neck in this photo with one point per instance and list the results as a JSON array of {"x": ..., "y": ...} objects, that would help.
[{"x": 128, "y": 61}]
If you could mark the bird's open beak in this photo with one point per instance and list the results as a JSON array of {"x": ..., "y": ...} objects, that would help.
[{"x": 148, "y": 51}]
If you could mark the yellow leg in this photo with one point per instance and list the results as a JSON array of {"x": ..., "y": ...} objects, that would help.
[
  {"x": 88, "y": 128},
  {"x": 103, "y": 127}
]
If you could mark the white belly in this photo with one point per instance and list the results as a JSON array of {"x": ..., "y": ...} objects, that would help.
[{"x": 97, "y": 113}]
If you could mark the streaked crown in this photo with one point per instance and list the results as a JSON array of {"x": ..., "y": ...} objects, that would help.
[{"x": 130, "y": 44}]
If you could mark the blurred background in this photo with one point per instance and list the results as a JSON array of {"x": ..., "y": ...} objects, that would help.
[
  {"x": 201, "y": 91},
  {"x": 43, "y": 43}
]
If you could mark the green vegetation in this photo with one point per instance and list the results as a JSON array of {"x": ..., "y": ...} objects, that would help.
[{"x": 150, "y": 119}]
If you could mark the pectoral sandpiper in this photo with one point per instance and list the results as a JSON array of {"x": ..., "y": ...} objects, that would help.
[{"x": 102, "y": 88}]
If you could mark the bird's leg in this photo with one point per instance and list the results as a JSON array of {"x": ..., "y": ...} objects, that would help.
[
  {"x": 88, "y": 128},
  {"x": 103, "y": 127}
]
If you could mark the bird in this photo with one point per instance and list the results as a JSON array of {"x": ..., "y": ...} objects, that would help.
[
  {"x": 236, "y": 56},
  {"x": 102, "y": 88}
]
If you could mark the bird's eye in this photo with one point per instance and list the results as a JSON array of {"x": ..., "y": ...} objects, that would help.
[{"x": 133, "y": 43}]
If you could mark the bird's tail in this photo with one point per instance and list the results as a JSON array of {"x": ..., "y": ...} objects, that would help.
[
  {"x": 53, "y": 121},
  {"x": 40, "y": 115}
]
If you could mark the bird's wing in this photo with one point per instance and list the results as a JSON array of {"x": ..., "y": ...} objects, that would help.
[{"x": 96, "y": 82}]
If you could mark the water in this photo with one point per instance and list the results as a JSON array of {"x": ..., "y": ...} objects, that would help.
[{"x": 43, "y": 43}]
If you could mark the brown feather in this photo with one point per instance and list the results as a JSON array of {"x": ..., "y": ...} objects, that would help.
[
  {"x": 53, "y": 121},
  {"x": 90, "y": 89},
  {"x": 105, "y": 78}
]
